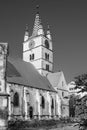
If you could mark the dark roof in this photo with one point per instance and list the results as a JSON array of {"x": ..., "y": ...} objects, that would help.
[{"x": 24, "y": 73}]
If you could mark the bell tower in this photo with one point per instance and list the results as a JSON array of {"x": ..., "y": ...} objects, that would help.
[{"x": 37, "y": 48}]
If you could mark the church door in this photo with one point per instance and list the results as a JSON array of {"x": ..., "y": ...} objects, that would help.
[{"x": 31, "y": 112}]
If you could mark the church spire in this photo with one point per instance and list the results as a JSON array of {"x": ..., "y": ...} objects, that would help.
[
  {"x": 26, "y": 36},
  {"x": 38, "y": 28}
]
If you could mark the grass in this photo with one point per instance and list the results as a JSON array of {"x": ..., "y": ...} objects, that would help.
[{"x": 35, "y": 124}]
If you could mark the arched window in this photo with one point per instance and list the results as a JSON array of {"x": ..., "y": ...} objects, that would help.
[
  {"x": 47, "y": 67},
  {"x": 30, "y": 57},
  {"x": 62, "y": 94},
  {"x": 46, "y": 56},
  {"x": 47, "y": 44},
  {"x": 16, "y": 100},
  {"x": 42, "y": 102},
  {"x": 52, "y": 105}
]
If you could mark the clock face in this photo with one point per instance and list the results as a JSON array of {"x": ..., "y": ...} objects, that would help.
[{"x": 31, "y": 44}]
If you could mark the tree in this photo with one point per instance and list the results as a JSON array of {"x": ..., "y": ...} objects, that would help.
[
  {"x": 72, "y": 104},
  {"x": 81, "y": 103},
  {"x": 81, "y": 83}
]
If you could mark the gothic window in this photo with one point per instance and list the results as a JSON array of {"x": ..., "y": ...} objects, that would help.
[
  {"x": 47, "y": 44},
  {"x": 47, "y": 67},
  {"x": 52, "y": 104},
  {"x": 16, "y": 100},
  {"x": 32, "y": 57},
  {"x": 62, "y": 94},
  {"x": 46, "y": 56},
  {"x": 42, "y": 102}
]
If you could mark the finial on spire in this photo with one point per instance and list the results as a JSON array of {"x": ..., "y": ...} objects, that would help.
[
  {"x": 26, "y": 36},
  {"x": 48, "y": 32},
  {"x": 48, "y": 27},
  {"x": 37, "y": 8},
  {"x": 26, "y": 27},
  {"x": 38, "y": 28}
]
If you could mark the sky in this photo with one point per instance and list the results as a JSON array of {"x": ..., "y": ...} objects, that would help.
[{"x": 68, "y": 25}]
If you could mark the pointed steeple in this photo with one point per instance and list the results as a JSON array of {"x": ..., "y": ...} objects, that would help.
[
  {"x": 38, "y": 28},
  {"x": 48, "y": 33},
  {"x": 26, "y": 36}
]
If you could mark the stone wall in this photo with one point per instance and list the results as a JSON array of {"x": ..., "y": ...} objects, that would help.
[{"x": 30, "y": 102}]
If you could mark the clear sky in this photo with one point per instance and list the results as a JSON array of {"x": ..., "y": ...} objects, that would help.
[{"x": 68, "y": 25}]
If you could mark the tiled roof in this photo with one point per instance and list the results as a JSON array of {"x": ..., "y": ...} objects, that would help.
[
  {"x": 24, "y": 73},
  {"x": 54, "y": 78}
]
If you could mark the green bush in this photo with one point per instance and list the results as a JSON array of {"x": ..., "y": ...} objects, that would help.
[{"x": 18, "y": 124}]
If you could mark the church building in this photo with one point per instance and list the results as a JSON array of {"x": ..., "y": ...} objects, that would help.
[{"x": 35, "y": 91}]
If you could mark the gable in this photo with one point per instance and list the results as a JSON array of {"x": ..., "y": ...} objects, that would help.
[
  {"x": 57, "y": 80},
  {"x": 54, "y": 78}
]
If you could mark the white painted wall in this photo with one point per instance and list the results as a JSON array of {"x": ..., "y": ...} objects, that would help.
[
  {"x": 37, "y": 41},
  {"x": 34, "y": 100},
  {"x": 44, "y": 65},
  {"x": 37, "y": 64},
  {"x": 39, "y": 54},
  {"x": 58, "y": 100}
]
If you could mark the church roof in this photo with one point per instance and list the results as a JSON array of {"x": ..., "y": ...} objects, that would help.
[
  {"x": 24, "y": 73},
  {"x": 54, "y": 78},
  {"x": 36, "y": 25}
]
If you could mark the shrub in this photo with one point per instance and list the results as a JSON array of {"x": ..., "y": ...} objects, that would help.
[{"x": 18, "y": 124}]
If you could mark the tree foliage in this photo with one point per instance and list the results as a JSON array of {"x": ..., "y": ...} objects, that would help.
[
  {"x": 81, "y": 83},
  {"x": 81, "y": 107},
  {"x": 72, "y": 103}
]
